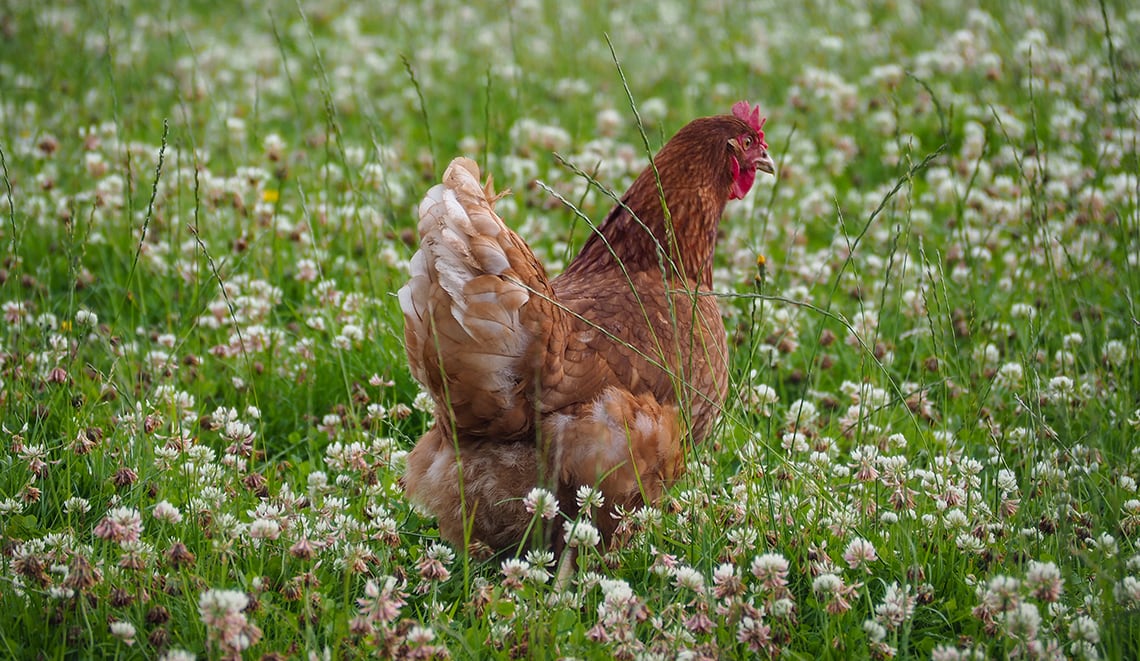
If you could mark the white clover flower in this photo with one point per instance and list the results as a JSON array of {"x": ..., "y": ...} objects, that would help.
[
  {"x": 372, "y": 175},
  {"x": 540, "y": 558},
  {"x": 609, "y": 122},
  {"x": 265, "y": 529},
  {"x": 121, "y": 524},
  {"x": 826, "y": 584},
  {"x": 95, "y": 163},
  {"x": 783, "y": 607},
  {"x": 653, "y": 110},
  {"x": 1082, "y": 649},
  {"x": 423, "y": 402},
  {"x": 581, "y": 533},
  {"x": 616, "y": 593},
  {"x": 235, "y": 430},
  {"x": 1106, "y": 543},
  {"x": 945, "y": 652},
  {"x": 896, "y": 441},
  {"x": 220, "y": 603},
  {"x": 1127, "y": 592},
  {"x": 11, "y": 506},
  {"x": 1001, "y": 593},
  {"x": 1006, "y": 481},
  {"x": 859, "y": 552},
  {"x": 876, "y": 633},
  {"x": 307, "y": 271},
  {"x": 589, "y": 498},
  {"x": 274, "y": 146},
  {"x": 317, "y": 481},
  {"x": 968, "y": 543},
  {"x": 1084, "y": 628},
  {"x": 801, "y": 414},
  {"x": 794, "y": 441},
  {"x": 515, "y": 570},
  {"x": 820, "y": 460},
  {"x": 236, "y": 128},
  {"x": 1023, "y": 311},
  {"x": 955, "y": 519},
  {"x": 743, "y": 536},
  {"x": 988, "y": 355},
  {"x": 330, "y": 424},
  {"x": 688, "y": 578},
  {"x": 85, "y": 317},
  {"x": 542, "y": 502},
  {"x": 164, "y": 511},
  {"x": 76, "y": 505},
  {"x": 1010, "y": 375},
  {"x": 1024, "y": 621},
  {"x": 769, "y": 564},
  {"x": 420, "y": 635},
  {"x": 897, "y": 607},
  {"x": 124, "y": 631},
  {"x": 353, "y": 332},
  {"x": 754, "y": 633},
  {"x": 762, "y": 397},
  {"x": 1060, "y": 388},
  {"x": 441, "y": 552},
  {"x": 1115, "y": 353}
]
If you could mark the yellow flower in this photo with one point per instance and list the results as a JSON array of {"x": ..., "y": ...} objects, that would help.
[
  {"x": 761, "y": 269},
  {"x": 270, "y": 196}
]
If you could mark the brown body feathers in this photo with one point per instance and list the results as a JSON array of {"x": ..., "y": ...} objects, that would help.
[{"x": 597, "y": 377}]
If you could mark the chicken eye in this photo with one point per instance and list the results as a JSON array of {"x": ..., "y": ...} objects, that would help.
[{"x": 747, "y": 142}]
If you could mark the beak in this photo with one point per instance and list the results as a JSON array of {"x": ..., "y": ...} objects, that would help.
[{"x": 765, "y": 164}]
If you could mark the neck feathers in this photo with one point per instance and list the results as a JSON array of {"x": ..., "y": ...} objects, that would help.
[{"x": 643, "y": 235}]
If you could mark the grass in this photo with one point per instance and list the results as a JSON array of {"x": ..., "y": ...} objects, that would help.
[{"x": 207, "y": 211}]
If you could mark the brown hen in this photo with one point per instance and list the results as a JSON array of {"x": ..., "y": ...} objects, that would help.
[{"x": 596, "y": 377}]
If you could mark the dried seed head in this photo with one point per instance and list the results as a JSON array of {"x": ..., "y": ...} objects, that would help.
[
  {"x": 159, "y": 638},
  {"x": 81, "y": 576},
  {"x": 157, "y": 615},
  {"x": 121, "y": 598},
  {"x": 179, "y": 556},
  {"x": 302, "y": 549},
  {"x": 124, "y": 477}
]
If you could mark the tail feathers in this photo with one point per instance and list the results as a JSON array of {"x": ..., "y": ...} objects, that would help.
[{"x": 464, "y": 306}]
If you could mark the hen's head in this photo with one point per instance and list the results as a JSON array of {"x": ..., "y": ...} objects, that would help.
[{"x": 748, "y": 152}]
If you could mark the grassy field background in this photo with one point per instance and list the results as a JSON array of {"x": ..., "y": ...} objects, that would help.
[{"x": 930, "y": 447}]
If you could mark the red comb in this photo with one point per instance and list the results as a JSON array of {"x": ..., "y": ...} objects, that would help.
[{"x": 745, "y": 111}]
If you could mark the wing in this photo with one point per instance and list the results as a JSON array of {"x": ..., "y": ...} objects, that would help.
[
  {"x": 637, "y": 340},
  {"x": 482, "y": 327}
]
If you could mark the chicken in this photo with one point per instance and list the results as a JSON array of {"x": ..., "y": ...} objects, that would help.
[{"x": 597, "y": 377}]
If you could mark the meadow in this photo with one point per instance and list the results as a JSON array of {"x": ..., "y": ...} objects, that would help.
[{"x": 930, "y": 444}]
